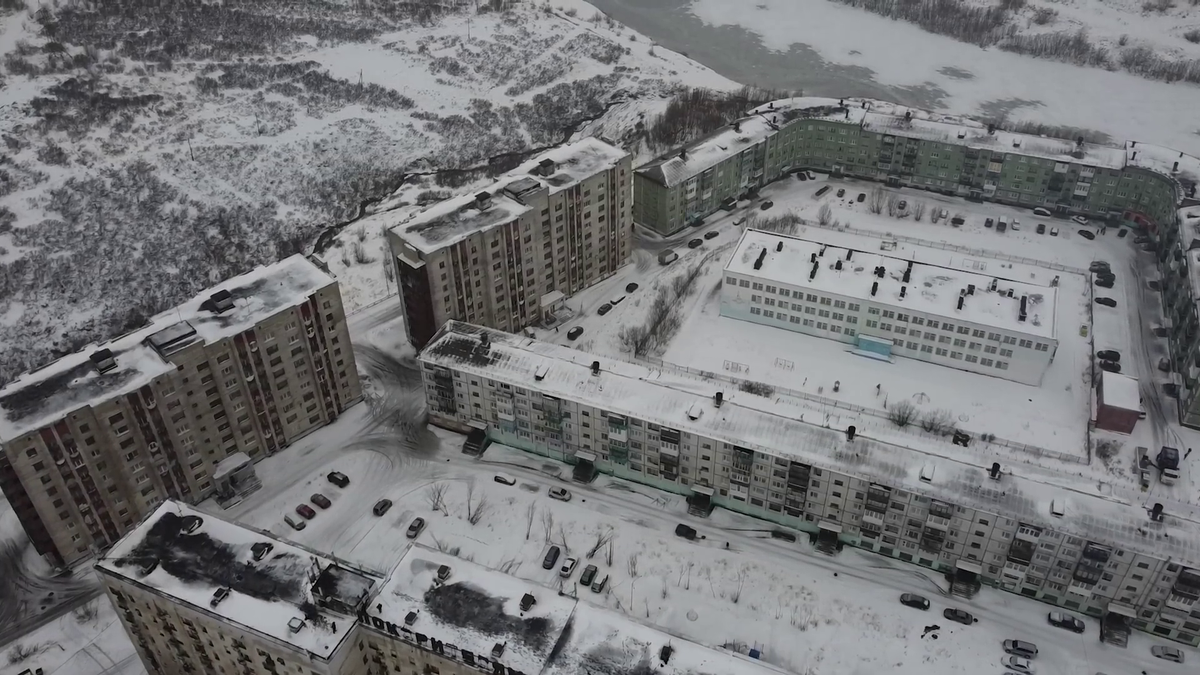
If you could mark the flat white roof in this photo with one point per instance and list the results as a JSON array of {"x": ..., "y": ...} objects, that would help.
[
  {"x": 477, "y": 608},
  {"x": 264, "y": 595},
  {"x": 454, "y": 219},
  {"x": 694, "y": 159},
  {"x": 931, "y": 289},
  {"x": 663, "y": 396},
  {"x": 1120, "y": 391},
  {"x": 41, "y": 396}
]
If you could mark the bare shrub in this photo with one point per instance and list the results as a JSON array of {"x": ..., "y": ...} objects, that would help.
[
  {"x": 736, "y": 594},
  {"x": 1158, "y": 6},
  {"x": 902, "y": 414},
  {"x": 875, "y": 200},
  {"x": 360, "y": 253},
  {"x": 788, "y": 223},
  {"x": 981, "y": 26},
  {"x": 547, "y": 524},
  {"x": 939, "y": 422},
  {"x": 1072, "y": 47},
  {"x": 1107, "y": 448},
  {"x": 602, "y": 539},
  {"x": 529, "y": 514},
  {"x": 476, "y": 508},
  {"x": 918, "y": 211},
  {"x": 633, "y": 565},
  {"x": 1012, "y": 5},
  {"x": 893, "y": 206},
  {"x": 436, "y": 494},
  {"x": 825, "y": 215},
  {"x": 757, "y": 388},
  {"x": 1044, "y": 16},
  {"x": 696, "y": 111},
  {"x": 87, "y": 613}
]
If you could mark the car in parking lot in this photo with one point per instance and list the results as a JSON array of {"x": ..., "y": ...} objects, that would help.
[
  {"x": 915, "y": 601},
  {"x": 1122, "y": 233},
  {"x": 338, "y": 478},
  {"x": 1167, "y": 653},
  {"x": 1019, "y": 664},
  {"x": 711, "y": 234},
  {"x": 294, "y": 523},
  {"x": 414, "y": 528},
  {"x": 1041, "y": 211},
  {"x": 1110, "y": 366},
  {"x": 766, "y": 205},
  {"x": 1041, "y": 228},
  {"x": 320, "y": 500},
  {"x": 841, "y": 192},
  {"x": 1109, "y": 355},
  {"x": 589, "y": 574},
  {"x": 1082, "y": 220},
  {"x": 1054, "y": 232},
  {"x": 1104, "y": 282},
  {"x": 551, "y": 558},
  {"x": 1141, "y": 239},
  {"x": 381, "y": 507},
  {"x": 1107, "y": 302},
  {"x": 685, "y": 531},
  {"x": 306, "y": 511},
  {"x": 568, "y": 567},
  {"x": 800, "y": 175},
  {"x": 1098, "y": 266},
  {"x": 988, "y": 222},
  {"x": 1020, "y": 648},
  {"x": 1016, "y": 226},
  {"x": 861, "y": 197},
  {"x": 504, "y": 479},
  {"x": 600, "y": 584},
  {"x": 604, "y": 309},
  {"x": 1087, "y": 234},
  {"x": 695, "y": 242},
  {"x": 575, "y": 332},
  {"x": 1062, "y": 620},
  {"x": 958, "y": 615},
  {"x": 631, "y": 287},
  {"x": 561, "y": 494}
]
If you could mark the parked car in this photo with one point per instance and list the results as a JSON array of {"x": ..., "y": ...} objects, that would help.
[
  {"x": 1167, "y": 653},
  {"x": 1041, "y": 228},
  {"x": 956, "y": 221},
  {"x": 1107, "y": 302},
  {"x": 989, "y": 222},
  {"x": 711, "y": 234},
  {"x": 1021, "y": 648},
  {"x": 902, "y": 205},
  {"x": 443, "y": 572},
  {"x": 217, "y": 597},
  {"x": 1061, "y": 620},
  {"x": 695, "y": 242},
  {"x": 561, "y": 494},
  {"x": 811, "y": 175},
  {"x": 1141, "y": 239},
  {"x": 1041, "y": 211},
  {"x": 320, "y": 500},
  {"x": 1087, "y": 234},
  {"x": 766, "y": 205},
  {"x": 551, "y": 558},
  {"x": 604, "y": 309},
  {"x": 1110, "y": 366},
  {"x": 1104, "y": 282},
  {"x": 841, "y": 192},
  {"x": 294, "y": 523},
  {"x": 1080, "y": 219},
  {"x": 631, "y": 287},
  {"x": 1054, "y": 232},
  {"x": 784, "y": 535},
  {"x": 589, "y": 574},
  {"x": 1109, "y": 355},
  {"x": 1122, "y": 233},
  {"x": 685, "y": 531},
  {"x": 1098, "y": 266},
  {"x": 600, "y": 584},
  {"x": 505, "y": 479},
  {"x": 338, "y": 478},
  {"x": 1016, "y": 226},
  {"x": 1019, "y": 664},
  {"x": 959, "y": 615},
  {"x": 381, "y": 507},
  {"x": 666, "y": 257},
  {"x": 568, "y": 568},
  {"x": 862, "y": 196},
  {"x": 414, "y": 528},
  {"x": 306, "y": 511},
  {"x": 574, "y": 333},
  {"x": 801, "y": 175},
  {"x": 915, "y": 601}
]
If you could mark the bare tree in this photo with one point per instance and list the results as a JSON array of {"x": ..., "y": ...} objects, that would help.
[
  {"x": 938, "y": 422},
  {"x": 476, "y": 511},
  {"x": 547, "y": 524},
  {"x": 562, "y": 539},
  {"x": 437, "y": 497},
  {"x": 825, "y": 215},
  {"x": 608, "y": 554},
  {"x": 602, "y": 538},
  {"x": 918, "y": 211},
  {"x": 893, "y": 206},
  {"x": 876, "y": 200},
  {"x": 741, "y": 582},
  {"x": 529, "y": 514},
  {"x": 902, "y": 414},
  {"x": 633, "y": 565}
]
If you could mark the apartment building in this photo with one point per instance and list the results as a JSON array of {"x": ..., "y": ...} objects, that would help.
[
  {"x": 509, "y": 256},
  {"x": 200, "y": 595},
  {"x": 903, "y": 146},
  {"x": 960, "y": 514},
  {"x": 96, "y": 440},
  {"x": 900, "y": 302}
]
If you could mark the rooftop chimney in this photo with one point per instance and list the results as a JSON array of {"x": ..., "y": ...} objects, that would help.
[
  {"x": 903, "y": 291},
  {"x": 961, "y": 300},
  {"x": 907, "y": 275},
  {"x": 1016, "y": 142},
  {"x": 874, "y": 288},
  {"x": 718, "y": 398},
  {"x": 880, "y": 271},
  {"x": 837, "y": 265},
  {"x": 1021, "y": 316},
  {"x": 664, "y": 654},
  {"x": 850, "y": 431},
  {"x": 993, "y": 286},
  {"x": 221, "y": 301},
  {"x": 1156, "y": 513},
  {"x": 410, "y": 618},
  {"x": 771, "y": 105},
  {"x": 762, "y": 255},
  {"x": 483, "y": 200},
  {"x": 295, "y": 624},
  {"x": 1133, "y": 144},
  {"x": 1009, "y": 293},
  {"x": 1134, "y": 157},
  {"x": 779, "y": 247},
  {"x": 737, "y": 127},
  {"x": 908, "y": 115},
  {"x": 822, "y": 253},
  {"x": 104, "y": 360},
  {"x": 683, "y": 154},
  {"x": 484, "y": 340},
  {"x": 497, "y": 650},
  {"x": 595, "y": 367},
  {"x": 849, "y": 254},
  {"x": 991, "y": 129},
  {"x": 813, "y": 274},
  {"x": 970, "y": 289},
  {"x": 1175, "y": 167},
  {"x": 994, "y": 472},
  {"x": 813, "y": 257},
  {"x": 546, "y": 167}
]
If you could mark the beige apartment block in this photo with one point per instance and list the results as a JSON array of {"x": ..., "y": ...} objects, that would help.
[
  {"x": 96, "y": 440},
  {"x": 509, "y": 256}
]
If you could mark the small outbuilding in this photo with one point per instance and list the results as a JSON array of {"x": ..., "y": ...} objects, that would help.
[{"x": 1118, "y": 402}]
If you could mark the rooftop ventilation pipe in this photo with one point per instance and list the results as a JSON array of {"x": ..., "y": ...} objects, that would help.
[
  {"x": 874, "y": 288},
  {"x": 880, "y": 271},
  {"x": 970, "y": 289},
  {"x": 1022, "y": 314},
  {"x": 762, "y": 255},
  {"x": 683, "y": 154},
  {"x": 903, "y": 291},
  {"x": 779, "y": 247},
  {"x": 484, "y": 340},
  {"x": 718, "y": 398},
  {"x": 221, "y": 301},
  {"x": 849, "y": 254},
  {"x": 837, "y": 265},
  {"x": 104, "y": 360},
  {"x": 595, "y": 367},
  {"x": 1009, "y": 293},
  {"x": 737, "y": 127},
  {"x": 994, "y": 472},
  {"x": 822, "y": 253},
  {"x": 813, "y": 274},
  {"x": 961, "y": 299},
  {"x": 907, "y": 276},
  {"x": 813, "y": 257}
]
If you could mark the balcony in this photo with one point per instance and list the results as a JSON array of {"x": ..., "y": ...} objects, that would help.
[
  {"x": 1014, "y": 572},
  {"x": 1028, "y": 533},
  {"x": 743, "y": 459},
  {"x": 1021, "y": 551},
  {"x": 937, "y": 523}
]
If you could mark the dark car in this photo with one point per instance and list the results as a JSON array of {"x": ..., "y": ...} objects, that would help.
[
  {"x": 988, "y": 223},
  {"x": 1099, "y": 266},
  {"x": 1041, "y": 228},
  {"x": 631, "y": 287},
  {"x": 915, "y": 601},
  {"x": 697, "y": 222},
  {"x": 1141, "y": 239},
  {"x": 604, "y": 309},
  {"x": 551, "y": 558},
  {"x": 599, "y": 585},
  {"x": 589, "y": 574},
  {"x": 767, "y": 204},
  {"x": 959, "y": 615},
  {"x": 338, "y": 478},
  {"x": 306, "y": 511},
  {"x": 1061, "y": 620},
  {"x": 711, "y": 234},
  {"x": 821, "y": 192},
  {"x": 784, "y": 535},
  {"x": 801, "y": 175},
  {"x": 414, "y": 528},
  {"x": 902, "y": 205},
  {"x": 695, "y": 242},
  {"x": 1110, "y": 366},
  {"x": 684, "y": 531},
  {"x": 381, "y": 507},
  {"x": 862, "y": 196},
  {"x": 1106, "y": 276},
  {"x": 1087, "y": 234},
  {"x": 841, "y": 192},
  {"x": 575, "y": 332},
  {"x": 1107, "y": 302},
  {"x": 1104, "y": 282},
  {"x": 320, "y": 500},
  {"x": 1122, "y": 233},
  {"x": 1108, "y": 355}
]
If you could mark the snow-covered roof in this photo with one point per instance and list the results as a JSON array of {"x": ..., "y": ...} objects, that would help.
[
  {"x": 931, "y": 289},
  {"x": 1183, "y": 168},
  {"x": 477, "y": 608},
  {"x": 1106, "y": 513},
  {"x": 188, "y": 555},
  {"x": 699, "y": 156},
  {"x": 454, "y": 219},
  {"x": 230, "y": 464},
  {"x": 1120, "y": 391},
  {"x": 42, "y": 396}
]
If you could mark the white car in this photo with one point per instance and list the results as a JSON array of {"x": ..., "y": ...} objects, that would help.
[
  {"x": 1019, "y": 664},
  {"x": 1167, "y": 653},
  {"x": 561, "y": 494},
  {"x": 1080, "y": 219},
  {"x": 505, "y": 479},
  {"x": 1041, "y": 211},
  {"x": 1054, "y": 232},
  {"x": 1016, "y": 226},
  {"x": 568, "y": 568}
]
